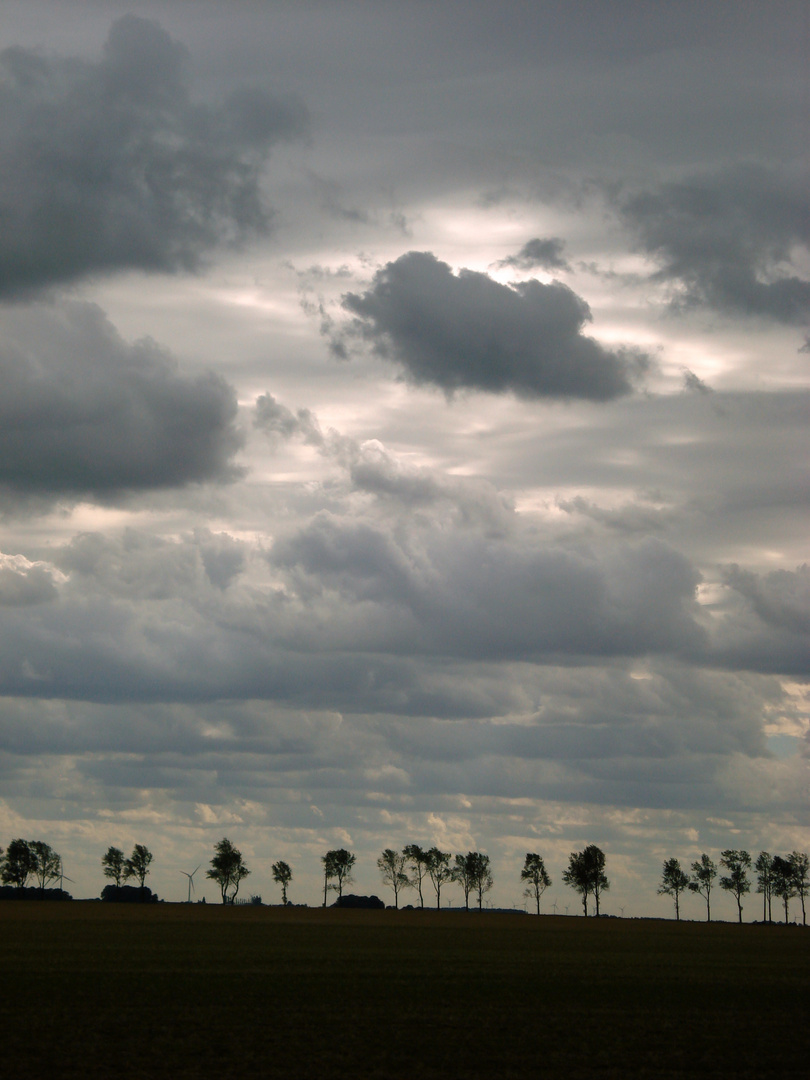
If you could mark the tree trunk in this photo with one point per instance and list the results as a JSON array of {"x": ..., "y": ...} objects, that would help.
[{"x": 677, "y": 909}]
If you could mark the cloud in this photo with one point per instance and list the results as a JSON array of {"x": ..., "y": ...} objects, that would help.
[
  {"x": 780, "y": 598},
  {"x": 85, "y": 413},
  {"x": 726, "y": 240},
  {"x": 468, "y": 596},
  {"x": 109, "y": 165},
  {"x": 23, "y": 582},
  {"x": 467, "y": 331},
  {"x": 374, "y": 470},
  {"x": 538, "y": 254}
]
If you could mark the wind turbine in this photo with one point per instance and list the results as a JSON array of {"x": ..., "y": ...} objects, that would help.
[
  {"x": 62, "y": 877},
  {"x": 190, "y": 881},
  {"x": 554, "y": 905}
]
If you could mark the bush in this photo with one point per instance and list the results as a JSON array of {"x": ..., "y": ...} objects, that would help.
[{"x": 128, "y": 894}]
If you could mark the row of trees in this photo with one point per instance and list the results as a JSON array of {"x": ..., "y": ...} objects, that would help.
[
  {"x": 417, "y": 868},
  {"x": 776, "y": 876},
  {"x": 414, "y": 866}
]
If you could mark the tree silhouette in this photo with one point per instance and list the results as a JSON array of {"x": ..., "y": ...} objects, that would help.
[
  {"x": 282, "y": 875},
  {"x": 738, "y": 863},
  {"x": 18, "y": 864},
  {"x": 586, "y": 875},
  {"x": 764, "y": 869},
  {"x": 439, "y": 871},
  {"x": 673, "y": 882},
  {"x": 535, "y": 873},
  {"x": 782, "y": 883},
  {"x": 391, "y": 865},
  {"x": 481, "y": 875},
  {"x": 337, "y": 865},
  {"x": 463, "y": 875},
  {"x": 114, "y": 863},
  {"x": 417, "y": 861},
  {"x": 227, "y": 869},
  {"x": 704, "y": 872},
  {"x": 137, "y": 865},
  {"x": 46, "y": 865},
  {"x": 800, "y": 864}
]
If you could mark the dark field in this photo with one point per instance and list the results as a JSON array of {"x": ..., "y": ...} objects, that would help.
[{"x": 202, "y": 991}]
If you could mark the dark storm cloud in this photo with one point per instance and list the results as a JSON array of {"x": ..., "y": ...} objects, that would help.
[
  {"x": 538, "y": 254},
  {"x": 110, "y": 165},
  {"x": 83, "y": 412},
  {"x": 725, "y": 240},
  {"x": 467, "y": 331}
]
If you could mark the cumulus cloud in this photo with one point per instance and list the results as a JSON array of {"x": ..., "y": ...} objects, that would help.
[
  {"x": 109, "y": 165},
  {"x": 85, "y": 413},
  {"x": 467, "y": 331},
  {"x": 726, "y": 240},
  {"x": 538, "y": 254}
]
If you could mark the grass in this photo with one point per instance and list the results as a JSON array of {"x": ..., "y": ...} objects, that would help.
[{"x": 95, "y": 990}]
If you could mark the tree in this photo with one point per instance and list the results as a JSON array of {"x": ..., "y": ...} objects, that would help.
[
  {"x": 46, "y": 865},
  {"x": 417, "y": 861},
  {"x": 782, "y": 881},
  {"x": 463, "y": 875},
  {"x": 738, "y": 863},
  {"x": 673, "y": 882},
  {"x": 18, "y": 864},
  {"x": 391, "y": 865},
  {"x": 481, "y": 875},
  {"x": 764, "y": 869},
  {"x": 535, "y": 873},
  {"x": 586, "y": 874},
  {"x": 704, "y": 872},
  {"x": 282, "y": 875},
  {"x": 227, "y": 869},
  {"x": 137, "y": 865},
  {"x": 800, "y": 864},
  {"x": 439, "y": 871},
  {"x": 114, "y": 863},
  {"x": 337, "y": 865}
]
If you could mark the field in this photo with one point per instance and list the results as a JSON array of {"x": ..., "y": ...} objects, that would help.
[{"x": 94, "y": 990}]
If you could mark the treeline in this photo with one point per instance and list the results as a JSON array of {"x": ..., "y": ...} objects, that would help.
[
  {"x": 430, "y": 871},
  {"x": 777, "y": 876}
]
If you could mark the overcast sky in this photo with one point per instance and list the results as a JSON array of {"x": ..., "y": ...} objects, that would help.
[{"x": 403, "y": 434}]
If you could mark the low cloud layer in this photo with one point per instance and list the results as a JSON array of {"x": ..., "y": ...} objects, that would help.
[
  {"x": 85, "y": 413},
  {"x": 467, "y": 331},
  {"x": 726, "y": 240},
  {"x": 110, "y": 165}
]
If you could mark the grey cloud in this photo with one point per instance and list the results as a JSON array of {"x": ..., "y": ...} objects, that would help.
[
  {"x": 635, "y": 517},
  {"x": 376, "y": 471},
  {"x": 83, "y": 412},
  {"x": 276, "y": 419},
  {"x": 23, "y": 583},
  {"x": 780, "y": 598},
  {"x": 467, "y": 331},
  {"x": 539, "y": 254},
  {"x": 495, "y": 599},
  {"x": 222, "y": 556},
  {"x": 725, "y": 240},
  {"x": 110, "y": 165}
]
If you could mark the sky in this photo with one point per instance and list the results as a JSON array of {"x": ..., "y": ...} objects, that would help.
[{"x": 403, "y": 435}]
